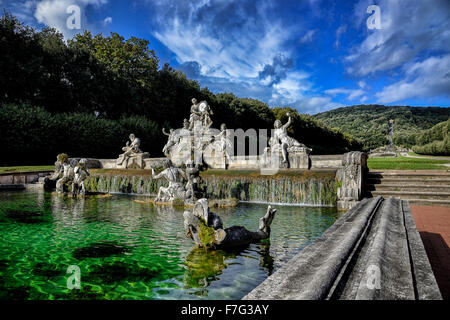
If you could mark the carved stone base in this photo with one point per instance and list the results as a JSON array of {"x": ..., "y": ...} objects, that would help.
[
  {"x": 298, "y": 159},
  {"x": 135, "y": 161}
]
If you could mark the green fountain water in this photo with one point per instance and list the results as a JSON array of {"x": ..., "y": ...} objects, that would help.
[{"x": 128, "y": 250}]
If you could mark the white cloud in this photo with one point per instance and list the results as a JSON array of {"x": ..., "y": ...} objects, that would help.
[
  {"x": 341, "y": 30},
  {"x": 428, "y": 78},
  {"x": 352, "y": 94},
  {"x": 308, "y": 37},
  {"x": 222, "y": 52},
  {"x": 107, "y": 21},
  {"x": 53, "y": 13},
  {"x": 238, "y": 46},
  {"x": 408, "y": 28}
]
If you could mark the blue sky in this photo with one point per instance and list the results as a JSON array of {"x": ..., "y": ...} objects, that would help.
[{"x": 313, "y": 55}]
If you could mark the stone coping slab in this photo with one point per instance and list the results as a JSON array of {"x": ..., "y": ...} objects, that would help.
[{"x": 372, "y": 252}]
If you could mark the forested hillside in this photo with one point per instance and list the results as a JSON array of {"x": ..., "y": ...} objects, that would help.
[
  {"x": 434, "y": 141},
  {"x": 83, "y": 97},
  {"x": 370, "y": 122}
]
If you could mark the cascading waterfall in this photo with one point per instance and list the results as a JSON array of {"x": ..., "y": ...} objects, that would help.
[
  {"x": 317, "y": 188},
  {"x": 318, "y": 191}
]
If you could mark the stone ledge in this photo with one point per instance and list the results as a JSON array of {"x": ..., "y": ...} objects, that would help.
[{"x": 376, "y": 233}]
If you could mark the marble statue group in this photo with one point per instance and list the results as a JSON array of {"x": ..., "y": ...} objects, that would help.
[
  {"x": 69, "y": 174},
  {"x": 190, "y": 149}
]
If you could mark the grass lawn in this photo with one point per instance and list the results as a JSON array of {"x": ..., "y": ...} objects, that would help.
[
  {"x": 25, "y": 169},
  {"x": 404, "y": 163},
  {"x": 426, "y": 155}
]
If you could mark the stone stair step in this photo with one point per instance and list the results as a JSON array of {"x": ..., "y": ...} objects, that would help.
[
  {"x": 410, "y": 173},
  {"x": 390, "y": 180},
  {"x": 405, "y": 195},
  {"x": 415, "y": 176},
  {"x": 408, "y": 187}
]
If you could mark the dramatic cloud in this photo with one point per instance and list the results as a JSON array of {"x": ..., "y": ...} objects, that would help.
[
  {"x": 238, "y": 46},
  {"x": 430, "y": 77},
  {"x": 275, "y": 72},
  {"x": 412, "y": 45},
  {"x": 408, "y": 28},
  {"x": 54, "y": 13}
]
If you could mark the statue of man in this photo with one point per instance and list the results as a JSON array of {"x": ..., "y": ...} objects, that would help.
[
  {"x": 132, "y": 147},
  {"x": 281, "y": 136},
  {"x": 176, "y": 178}
]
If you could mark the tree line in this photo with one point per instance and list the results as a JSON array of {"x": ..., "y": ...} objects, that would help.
[{"x": 110, "y": 86}]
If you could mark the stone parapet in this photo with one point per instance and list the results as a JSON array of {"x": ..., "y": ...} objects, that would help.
[{"x": 373, "y": 252}]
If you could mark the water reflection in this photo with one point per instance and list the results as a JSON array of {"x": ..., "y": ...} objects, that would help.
[{"x": 205, "y": 266}]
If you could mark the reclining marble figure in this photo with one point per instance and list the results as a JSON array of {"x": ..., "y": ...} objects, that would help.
[
  {"x": 206, "y": 228},
  {"x": 132, "y": 149},
  {"x": 283, "y": 140}
]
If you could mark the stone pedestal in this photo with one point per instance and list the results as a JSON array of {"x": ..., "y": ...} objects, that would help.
[
  {"x": 136, "y": 161},
  {"x": 298, "y": 159},
  {"x": 350, "y": 179}
]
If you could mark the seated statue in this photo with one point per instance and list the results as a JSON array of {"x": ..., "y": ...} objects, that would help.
[
  {"x": 176, "y": 178},
  {"x": 68, "y": 174},
  {"x": 282, "y": 140},
  {"x": 206, "y": 228},
  {"x": 131, "y": 149},
  {"x": 81, "y": 172}
]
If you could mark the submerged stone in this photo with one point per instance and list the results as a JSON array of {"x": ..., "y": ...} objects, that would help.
[
  {"x": 99, "y": 250},
  {"x": 47, "y": 270},
  {"x": 119, "y": 271},
  {"x": 26, "y": 215}
]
